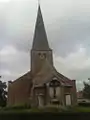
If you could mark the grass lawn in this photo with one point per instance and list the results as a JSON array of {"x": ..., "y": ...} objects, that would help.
[
  {"x": 47, "y": 109},
  {"x": 81, "y": 109}
]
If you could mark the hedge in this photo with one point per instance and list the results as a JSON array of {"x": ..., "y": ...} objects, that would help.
[{"x": 84, "y": 104}]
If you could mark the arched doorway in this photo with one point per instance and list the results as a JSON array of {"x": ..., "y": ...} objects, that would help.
[
  {"x": 40, "y": 100},
  {"x": 54, "y": 92}
]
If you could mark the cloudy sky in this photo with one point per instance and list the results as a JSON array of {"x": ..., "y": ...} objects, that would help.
[{"x": 67, "y": 24}]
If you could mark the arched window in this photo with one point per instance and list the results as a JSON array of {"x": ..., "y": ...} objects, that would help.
[
  {"x": 54, "y": 84},
  {"x": 42, "y": 55}
]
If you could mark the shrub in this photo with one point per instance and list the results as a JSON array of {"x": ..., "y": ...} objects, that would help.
[
  {"x": 18, "y": 107},
  {"x": 50, "y": 109},
  {"x": 84, "y": 104}
]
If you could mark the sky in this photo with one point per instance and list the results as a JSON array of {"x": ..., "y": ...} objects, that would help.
[{"x": 67, "y": 24}]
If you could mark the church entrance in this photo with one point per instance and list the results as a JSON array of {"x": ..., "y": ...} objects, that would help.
[
  {"x": 68, "y": 100},
  {"x": 40, "y": 100},
  {"x": 54, "y": 91}
]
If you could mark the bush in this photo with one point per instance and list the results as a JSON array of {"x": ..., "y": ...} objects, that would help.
[
  {"x": 18, "y": 107},
  {"x": 51, "y": 109},
  {"x": 84, "y": 104},
  {"x": 35, "y": 110}
]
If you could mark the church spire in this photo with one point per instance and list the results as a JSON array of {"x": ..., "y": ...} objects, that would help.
[
  {"x": 38, "y": 2},
  {"x": 40, "y": 41}
]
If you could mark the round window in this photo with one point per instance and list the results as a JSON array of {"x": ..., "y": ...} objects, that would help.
[{"x": 42, "y": 55}]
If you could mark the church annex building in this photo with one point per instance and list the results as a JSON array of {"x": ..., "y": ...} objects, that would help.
[{"x": 43, "y": 85}]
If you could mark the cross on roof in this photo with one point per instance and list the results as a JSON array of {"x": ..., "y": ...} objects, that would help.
[{"x": 38, "y": 2}]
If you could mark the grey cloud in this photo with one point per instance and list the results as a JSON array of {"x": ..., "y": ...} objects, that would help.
[
  {"x": 80, "y": 76},
  {"x": 65, "y": 30},
  {"x": 69, "y": 34},
  {"x": 16, "y": 63}
]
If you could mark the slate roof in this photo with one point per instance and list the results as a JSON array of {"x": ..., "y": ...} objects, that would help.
[
  {"x": 40, "y": 41},
  {"x": 24, "y": 77},
  {"x": 47, "y": 73}
]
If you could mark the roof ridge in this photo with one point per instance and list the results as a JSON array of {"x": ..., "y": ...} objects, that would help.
[{"x": 29, "y": 72}]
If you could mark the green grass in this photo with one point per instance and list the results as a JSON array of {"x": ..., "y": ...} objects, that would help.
[
  {"x": 81, "y": 109},
  {"x": 46, "y": 109},
  {"x": 30, "y": 110}
]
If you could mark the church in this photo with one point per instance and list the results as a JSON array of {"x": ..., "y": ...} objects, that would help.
[{"x": 43, "y": 85}]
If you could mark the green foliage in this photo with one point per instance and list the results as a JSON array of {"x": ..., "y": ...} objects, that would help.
[
  {"x": 3, "y": 94},
  {"x": 81, "y": 109},
  {"x": 16, "y": 108},
  {"x": 86, "y": 90},
  {"x": 43, "y": 110},
  {"x": 35, "y": 110},
  {"x": 84, "y": 104},
  {"x": 51, "y": 109}
]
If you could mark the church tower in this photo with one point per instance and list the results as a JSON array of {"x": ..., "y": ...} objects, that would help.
[{"x": 40, "y": 47}]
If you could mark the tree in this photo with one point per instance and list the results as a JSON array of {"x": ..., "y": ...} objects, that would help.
[
  {"x": 3, "y": 93},
  {"x": 86, "y": 90}
]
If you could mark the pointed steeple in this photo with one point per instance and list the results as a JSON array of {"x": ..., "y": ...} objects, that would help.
[{"x": 40, "y": 41}]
